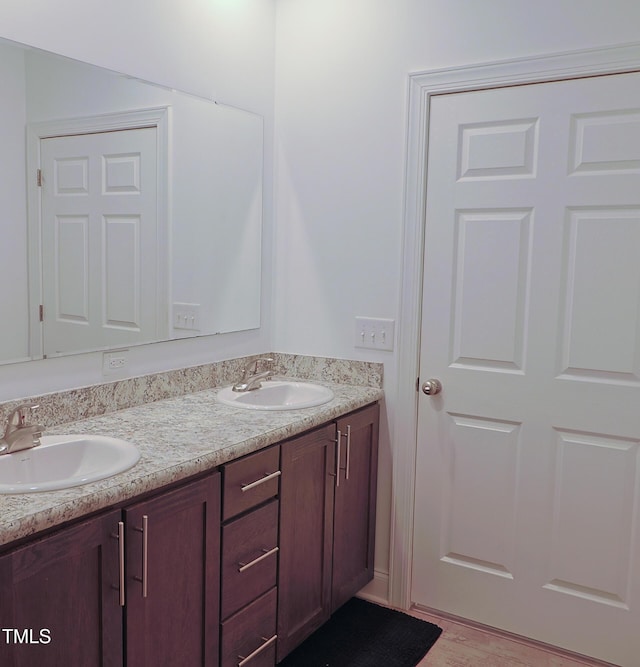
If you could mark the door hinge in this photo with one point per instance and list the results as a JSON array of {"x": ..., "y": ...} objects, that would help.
[
  {"x": 41, "y": 312},
  {"x": 39, "y": 178}
]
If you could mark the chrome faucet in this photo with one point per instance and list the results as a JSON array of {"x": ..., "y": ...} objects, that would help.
[
  {"x": 20, "y": 432},
  {"x": 251, "y": 378}
]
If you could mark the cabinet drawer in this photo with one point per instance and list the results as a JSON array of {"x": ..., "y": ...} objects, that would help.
[
  {"x": 250, "y": 481},
  {"x": 249, "y": 557},
  {"x": 249, "y": 637}
]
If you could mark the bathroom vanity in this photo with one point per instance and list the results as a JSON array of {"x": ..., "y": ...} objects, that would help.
[{"x": 236, "y": 535}]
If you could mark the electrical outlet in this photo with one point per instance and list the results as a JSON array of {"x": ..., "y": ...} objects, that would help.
[
  {"x": 186, "y": 316},
  {"x": 374, "y": 333},
  {"x": 113, "y": 362}
]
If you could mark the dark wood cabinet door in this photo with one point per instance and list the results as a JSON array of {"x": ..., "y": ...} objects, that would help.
[
  {"x": 355, "y": 504},
  {"x": 306, "y": 526},
  {"x": 59, "y": 599},
  {"x": 179, "y": 572}
]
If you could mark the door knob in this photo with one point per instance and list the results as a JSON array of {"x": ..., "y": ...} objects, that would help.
[{"x": 432, "y": 387}]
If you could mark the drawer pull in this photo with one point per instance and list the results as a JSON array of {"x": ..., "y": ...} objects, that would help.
[
  {"x": 266, "y": 553},
  {"x": 267, "y": 477},
  {"x": 251, "y": 656}
]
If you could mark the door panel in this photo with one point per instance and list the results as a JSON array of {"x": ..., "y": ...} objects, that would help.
[
  {"x": 612, "y": 235},
  {"x": 483, "y": 284},
  {"x": 482, "y": 493},
  {"x": 527, "y": 466},
  {"x": 603, "y": 573}
]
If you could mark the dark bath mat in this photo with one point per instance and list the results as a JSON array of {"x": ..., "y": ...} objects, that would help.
[{"x": 362, "y": 634}]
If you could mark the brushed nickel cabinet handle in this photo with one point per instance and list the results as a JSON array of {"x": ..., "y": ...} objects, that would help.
[
  {"x": 145, "y": 555},
  {"x": 121, "y": 579},
  {"x": 267, "y": 477},
  {"x": 265, "y": 554},
  {"x": 262, "y": 647},
  {"x": 339, "y": 441},
  {"x": 346, "y": 472}
]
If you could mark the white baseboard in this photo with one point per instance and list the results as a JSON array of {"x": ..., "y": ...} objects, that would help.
[{"x": 377, "y": 590}]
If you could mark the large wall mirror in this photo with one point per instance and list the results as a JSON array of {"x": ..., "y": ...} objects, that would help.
[{"x": 130, "y": 213}]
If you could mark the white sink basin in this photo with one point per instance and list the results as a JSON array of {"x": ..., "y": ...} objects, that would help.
[
  {"x": 63, "y": 461},
  {"x": 277, "y": 395}
]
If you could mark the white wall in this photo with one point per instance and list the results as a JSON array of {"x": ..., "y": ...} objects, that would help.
[
  {"x": 217, "y": 48},
  {"x": 341, "y": 112}
]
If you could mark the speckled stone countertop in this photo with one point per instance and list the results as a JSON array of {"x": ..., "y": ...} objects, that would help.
[{"x": 177, "y": 438}]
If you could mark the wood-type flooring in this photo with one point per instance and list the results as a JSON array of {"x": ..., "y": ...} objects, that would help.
[{"x": 465, "y": 645}]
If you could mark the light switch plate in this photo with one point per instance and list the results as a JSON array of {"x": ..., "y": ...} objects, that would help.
[
  {"x": 186, "y": 316},
  {"x": 375, "y": 333}
]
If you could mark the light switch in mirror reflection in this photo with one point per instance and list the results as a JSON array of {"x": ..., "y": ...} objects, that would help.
[{"x": 209, "y": 210}]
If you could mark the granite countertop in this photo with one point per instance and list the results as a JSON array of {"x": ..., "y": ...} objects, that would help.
[{"x": 177, "y": 438}]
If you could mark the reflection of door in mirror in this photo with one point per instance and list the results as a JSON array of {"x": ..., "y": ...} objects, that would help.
[{"x": 99, "y": 247}]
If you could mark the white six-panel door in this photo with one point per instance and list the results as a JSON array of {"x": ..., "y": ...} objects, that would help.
[
  {"x": 99, "y": 240},
  {"x": 526, "y": 508}
]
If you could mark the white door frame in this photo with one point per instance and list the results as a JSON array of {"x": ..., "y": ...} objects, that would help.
[
  {"x": 422, "y": 85},
  {"x": 158, "y": 117}
]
